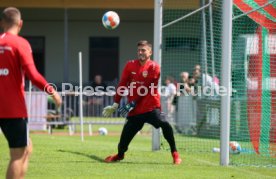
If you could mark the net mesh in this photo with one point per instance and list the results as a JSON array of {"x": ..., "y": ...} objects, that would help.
[
  {"x": 253, "y": 81},
  {"x": 193, "y": 45}
]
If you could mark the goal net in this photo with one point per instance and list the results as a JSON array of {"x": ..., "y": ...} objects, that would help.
[{"x": 191, "y": 60}]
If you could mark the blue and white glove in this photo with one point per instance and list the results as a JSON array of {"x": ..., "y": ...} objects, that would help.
[
  {"x": 124, "y": 110},
  {"x": 109, "y": 110}
]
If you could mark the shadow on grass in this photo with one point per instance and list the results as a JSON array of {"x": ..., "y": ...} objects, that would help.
[{"x": 94, "y": 157}]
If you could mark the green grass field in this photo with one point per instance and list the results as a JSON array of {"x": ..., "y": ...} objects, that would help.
[{"x": 59, "y": 156}]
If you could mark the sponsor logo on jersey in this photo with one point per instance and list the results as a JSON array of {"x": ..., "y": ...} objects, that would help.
[{"x": 3, "y": 48}]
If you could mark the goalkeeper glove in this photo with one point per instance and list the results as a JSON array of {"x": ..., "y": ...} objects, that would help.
[
  {"x": 124, "y": 110},
  {"x": 109, "y": 110}
]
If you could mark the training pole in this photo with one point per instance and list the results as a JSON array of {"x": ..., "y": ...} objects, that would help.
[
  {"x": 80, "y": 95},
  {"x": 29, "y": 109}
]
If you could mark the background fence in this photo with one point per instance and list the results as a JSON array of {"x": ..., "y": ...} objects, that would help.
[{"x": 43, "y": 114}]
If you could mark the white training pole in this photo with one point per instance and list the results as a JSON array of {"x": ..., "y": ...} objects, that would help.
[
  {"x": 29, "y": 108},
  {"x": 90, "y": 129},
  {"x": 226, "y": 79},
  {"x": 212, "y": 41},
  {"x": 204, "y": 45},
  {"x": 158, "y": 17},
  {"x": 80, "y": 95}
]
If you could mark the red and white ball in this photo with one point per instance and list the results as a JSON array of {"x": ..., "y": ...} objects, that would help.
[
  {"x": 234, "y": 147},
  {"x": 110, "y": 20}
]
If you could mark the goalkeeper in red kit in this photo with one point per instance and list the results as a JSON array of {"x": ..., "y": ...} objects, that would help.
[{"x": 140, "y": 77}]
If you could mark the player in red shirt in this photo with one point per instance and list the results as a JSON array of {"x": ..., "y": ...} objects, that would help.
[
  {"x": 140, "y": 77},
  {"x": 16, "y": 61}
]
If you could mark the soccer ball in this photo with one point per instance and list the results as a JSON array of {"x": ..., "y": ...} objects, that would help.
[
  {"x": 103, "y": 131},
  {"x": 111, "y": 20},
  {"x": 234, "y": 147}
]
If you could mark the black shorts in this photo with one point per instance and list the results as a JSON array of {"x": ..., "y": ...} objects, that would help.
[
  {"x": 15, "y": 131},
  {"x": 154, "y": 117}
]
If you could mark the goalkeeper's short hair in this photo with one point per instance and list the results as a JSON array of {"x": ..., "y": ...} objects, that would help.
[{"x": 144, "y": 43}]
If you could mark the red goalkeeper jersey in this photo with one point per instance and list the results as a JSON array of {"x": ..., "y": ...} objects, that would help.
[
  {"x": 15, "y": 61},
  {"x": 141, "y": 82}
]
